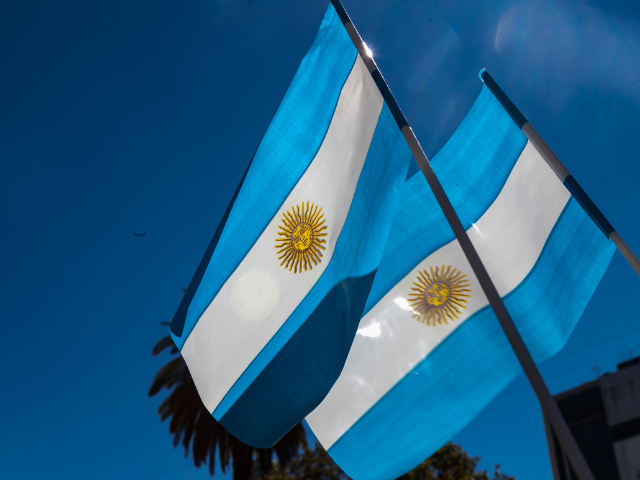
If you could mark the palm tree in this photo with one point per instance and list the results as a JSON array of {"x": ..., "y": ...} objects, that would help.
[{"x": 193, "y": 426}]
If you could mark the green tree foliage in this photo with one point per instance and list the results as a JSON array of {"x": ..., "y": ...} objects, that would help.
[
  {"x": 448, "y": 463},
  {"x": 311, "y": 464},
  {"x": 452, "y": 463},
  {"x": 193, "y": 426}
]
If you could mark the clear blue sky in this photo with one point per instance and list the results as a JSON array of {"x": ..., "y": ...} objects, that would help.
[{"x": 119, "y": 117}]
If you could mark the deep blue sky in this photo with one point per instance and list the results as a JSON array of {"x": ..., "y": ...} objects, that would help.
[{"x": 119, "y": 117}]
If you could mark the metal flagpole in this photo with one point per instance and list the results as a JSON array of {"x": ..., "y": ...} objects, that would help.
[
  {"x": 560, "y": 170},
  {"x": 548, "y": 404}
]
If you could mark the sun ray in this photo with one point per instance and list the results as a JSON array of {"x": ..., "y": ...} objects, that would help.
[{"x": 439, "y": 295}]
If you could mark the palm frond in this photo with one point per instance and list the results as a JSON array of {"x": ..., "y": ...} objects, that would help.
[{"x": 194, "y": 428}]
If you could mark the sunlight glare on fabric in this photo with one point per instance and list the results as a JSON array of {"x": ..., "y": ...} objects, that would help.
[
  {"x": 477, "y": 229},
  {"x": 254, "y": 296},
  {"x": 403, "y": 303},
  {"x": 372, "y": 331}
]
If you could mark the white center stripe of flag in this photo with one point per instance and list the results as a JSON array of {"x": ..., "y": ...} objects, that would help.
[
  {"x": 260, "y": 295},
  {"x": 509, "y": 238}
]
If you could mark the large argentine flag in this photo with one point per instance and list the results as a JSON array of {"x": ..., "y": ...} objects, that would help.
[
  {"x": 429, "y": 353},
  {"x": 268, "y": 320}
]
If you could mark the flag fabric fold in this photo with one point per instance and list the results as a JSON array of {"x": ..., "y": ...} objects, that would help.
[
  {"x": 429, "y": 353},
  {"x": 276, "y": 302}
]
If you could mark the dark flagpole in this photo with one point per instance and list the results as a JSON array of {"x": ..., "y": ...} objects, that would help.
[
  {"x": 548, "y": 404},
  {"x": 560, "y": 170}
]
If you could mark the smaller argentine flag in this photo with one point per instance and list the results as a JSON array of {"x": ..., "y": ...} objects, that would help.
[
  {"x": 429, "y": 353},
  {"x": 268, "y": 319}
]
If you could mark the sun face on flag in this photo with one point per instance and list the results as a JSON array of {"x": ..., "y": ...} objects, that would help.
[
  {"x": 300, "y": 239},
  {"x": 439, "y": 295}
]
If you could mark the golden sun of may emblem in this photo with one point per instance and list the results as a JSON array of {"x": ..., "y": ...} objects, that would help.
[
  {"x": 300, "y": 240},
  {"x": 439, "y": 295}
]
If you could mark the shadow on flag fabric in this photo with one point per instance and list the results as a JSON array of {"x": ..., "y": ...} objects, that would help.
[
  {"x": 429, "y": 353},
  {"x": 268, "y": 319}
]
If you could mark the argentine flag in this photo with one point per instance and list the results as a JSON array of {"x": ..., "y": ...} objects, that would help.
[
  {"x": 267, "y": 322},
  {"x": 429, "y": 353}
]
